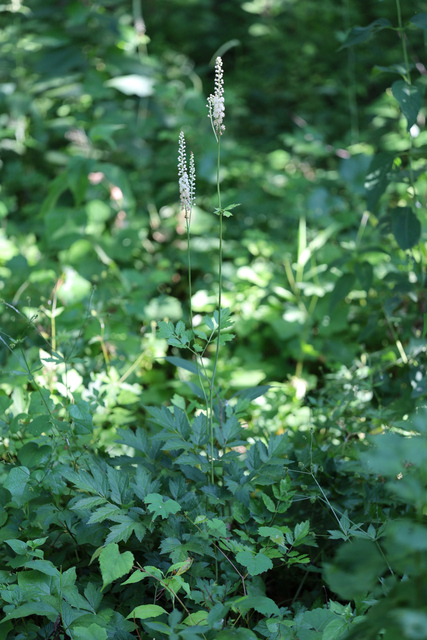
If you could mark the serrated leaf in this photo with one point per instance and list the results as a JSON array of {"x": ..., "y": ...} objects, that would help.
[
  {"x": 209, "y": 323},
  {"x": 301, "y": 531},
  {"x": 180, "y": 328},
  {"x": 255, "y": 564},
  {"x": 410, "y": 98},
  {"x": 119, "y": 484},
  {"x": 121, "y": 532},
  {"x": 268, "y": 502},
  {"x": 273, "y": 533},
  {"x": 406, "y": 227},
  {"x": 104, "y": 513},
  {"x": 161, "y": 508},
  {"x": 336, "y": 534},
  {"x": 226, "y": 337},
  {"x": 87, "y": 503},
  {"x": 114, "y": 564},
  {"x": 145, "y": 611},
  {"x": 165, "y": 329},
  {"x": 217, "y": 527}
]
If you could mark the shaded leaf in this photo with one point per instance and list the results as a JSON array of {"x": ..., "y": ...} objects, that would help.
[
  {"x": 410, "y": 99},
  {"x": 406, "y": 227},
  {"x": 113, "y": 564}
]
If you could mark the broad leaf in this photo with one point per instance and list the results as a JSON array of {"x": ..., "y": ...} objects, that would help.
[
  {"x": 113, "y": 564},
  {"x": 410, "y": 99},
  {"x": 145, "y": 611},
  {"x": 255, "y": 564},
  {"x": 406, "y": 227}
]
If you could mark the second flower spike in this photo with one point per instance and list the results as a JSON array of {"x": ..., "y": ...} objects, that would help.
[{"x": 187, "y": 180}]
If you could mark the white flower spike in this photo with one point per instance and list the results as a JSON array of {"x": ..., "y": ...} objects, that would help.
[
  {"x": 187, "y": 182},
  {"x": 216, "y": 104}
]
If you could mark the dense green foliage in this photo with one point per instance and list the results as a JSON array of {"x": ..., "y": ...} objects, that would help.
[{"x": 294, "y": 507}]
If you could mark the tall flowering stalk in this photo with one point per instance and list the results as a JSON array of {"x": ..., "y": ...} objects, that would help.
[
  {"x": 216, "y": 103},
  {"x": 216, "y": 114}
]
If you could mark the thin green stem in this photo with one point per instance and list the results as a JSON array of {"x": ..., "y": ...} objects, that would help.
[
  {"x": 212, "y": 385},
  {"x": 402, "y": 37}
]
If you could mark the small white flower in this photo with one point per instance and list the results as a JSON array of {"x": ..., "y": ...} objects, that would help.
[
  {"x": 216, "y": 104},
  {"x": 187, "y": 183}
]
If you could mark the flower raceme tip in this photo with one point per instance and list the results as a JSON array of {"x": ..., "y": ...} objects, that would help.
[{"x": 216, "y": 104}]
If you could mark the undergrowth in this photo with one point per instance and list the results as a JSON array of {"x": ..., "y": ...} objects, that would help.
[{"x": 277, "y": 512}]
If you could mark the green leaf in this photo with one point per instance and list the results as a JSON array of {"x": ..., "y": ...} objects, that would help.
[
  {"x": 113, "y": 564},
  {"x": 93, "y": 632},
  {"x": 419, "y": 20},
  {"x": 165, "y": 330},
  {"x": 93, "y": 595},
  {"x": 236, "y": 634},
  {"x": 145, "y": 611},
  {"x": 18, "y": 546},
  {"x": 33, "y": 609},
  {"x": 87, "y": 503},
  {"x": 268, "y": 502},
  {"x": 273, "y": 533},
  {"x": 31, "y": 455},
  {"x": 301, "y": 531},
  {"x": 81, "y": 417},
  {"x": 255, "y": 564},
  {"x": 378, "y": 178},
  {"x": 263, "y": 605},
  {"x": 406, "y": 227},
  {"x": 40, "y": 402},
  {"x": 335, "y": 629},
  {"x": 252, "y": 392},
  {"x": 355, "y": 569},
  {"x": 183, "y": 364},
  {"x": 342, "y": 288},
  {"x": 17, "y": 480},
  {"x": 217, "y": 527},
  {"x": 362, "y": 34},
  {"x": 158, "y": 507},
  {"x": 410, "y": 98},
  {"x": 104, "y": 513},
  {"x": 196, "y": 618},
  {"x": 44, "y": 566},
  {"x": 121, "y": 532}
]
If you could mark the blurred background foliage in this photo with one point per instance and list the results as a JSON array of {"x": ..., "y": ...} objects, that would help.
[
  {"x": 92, "y": 98},
  {"x": 324, "y": 260}
]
